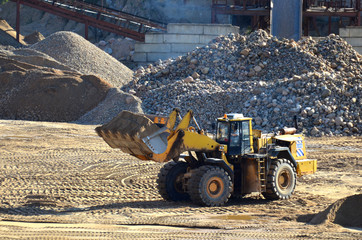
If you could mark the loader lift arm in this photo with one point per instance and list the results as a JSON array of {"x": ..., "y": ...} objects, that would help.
[{"x": 150, "y": 142}]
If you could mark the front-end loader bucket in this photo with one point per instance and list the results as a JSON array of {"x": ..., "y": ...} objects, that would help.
[{"x": 135, "y": 134}]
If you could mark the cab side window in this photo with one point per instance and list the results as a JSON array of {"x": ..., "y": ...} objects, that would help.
[
  {"x": 245, "y": 137},
  {"x": 234, "y": 134},
  {"x": 222, "y": 132}
]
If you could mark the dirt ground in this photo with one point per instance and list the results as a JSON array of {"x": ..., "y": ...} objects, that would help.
[{"x": 62, "y": 181}]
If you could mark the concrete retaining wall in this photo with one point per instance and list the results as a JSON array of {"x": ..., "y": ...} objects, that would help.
[
  {"x": 353, "y": 35},
  {"x": 179, "y": 40}
]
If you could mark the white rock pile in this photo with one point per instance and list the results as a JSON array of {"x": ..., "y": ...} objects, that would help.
[
  {"x": 121, "y": 49},
  {"x": 262, "y": 77}
]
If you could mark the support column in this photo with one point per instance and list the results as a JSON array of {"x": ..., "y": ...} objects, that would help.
[
  {"x": 286, "y": 18},
  {"x": 86, "y": 30},
  {"x": 213, "y": 15},
  {"x": 18, "y": 20}
]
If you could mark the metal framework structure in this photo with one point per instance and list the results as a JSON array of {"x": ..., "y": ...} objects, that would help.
[
  {"x": 260, "y": 11},
  {"x": 107, "y": 19}
]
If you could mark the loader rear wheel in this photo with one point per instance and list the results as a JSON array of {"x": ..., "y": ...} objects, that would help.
[
  {"x": 170, "y": 181},
  {"x": 281, "y": 180},
  {"x": 210, "y": 186}
]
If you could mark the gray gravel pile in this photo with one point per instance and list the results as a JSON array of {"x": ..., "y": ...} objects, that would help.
[
  {"x": 73, "y": 50},
  {"x": 262, "y": 77}
]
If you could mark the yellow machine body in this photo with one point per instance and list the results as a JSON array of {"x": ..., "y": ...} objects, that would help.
[
  {"x": 298, "y": 150},
  {"x": 168, "y": 141},
  {"x": 241, "y": 160}
]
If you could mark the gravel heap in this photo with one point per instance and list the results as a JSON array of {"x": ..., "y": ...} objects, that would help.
[
  {"x": 346, "y": 212},
  {"x": 34, "y": 37},
  {"x": 76, "y": 52},
  {"x": 262, "y": 77}
]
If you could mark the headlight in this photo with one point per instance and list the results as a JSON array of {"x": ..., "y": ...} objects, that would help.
[{"x": 221, "y": 147}]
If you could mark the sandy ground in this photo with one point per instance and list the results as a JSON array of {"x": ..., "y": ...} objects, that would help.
[{"x": 61, "y": 181}]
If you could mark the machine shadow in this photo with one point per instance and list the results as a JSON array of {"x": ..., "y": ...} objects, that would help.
[{"x": 38, "y": 209}]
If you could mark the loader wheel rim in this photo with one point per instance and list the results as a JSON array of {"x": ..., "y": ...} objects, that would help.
[
  {"x": 284, "y": 179},
  {"x": 215, "y": 187}
]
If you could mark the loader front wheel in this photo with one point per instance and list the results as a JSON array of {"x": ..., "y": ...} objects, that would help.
[
  {"x": 210, "y": 186},
  {"x": 170, "y": 181},
  {"x": 281, "y": 180}
]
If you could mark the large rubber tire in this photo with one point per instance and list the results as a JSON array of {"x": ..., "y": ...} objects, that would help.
[
  {"x": 281, "y": 180},
  {"x": 169, "y": 182},
  {"x": 209, "y": 186}
]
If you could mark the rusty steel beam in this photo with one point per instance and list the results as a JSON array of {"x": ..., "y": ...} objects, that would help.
[
  {"x": 61, "y": 12},
  {"x": 75, "y": 12},
  {"x": 18, "y": 20},
  {"x": 86, "y": 30},
  {"x": 116, "y": 13}
]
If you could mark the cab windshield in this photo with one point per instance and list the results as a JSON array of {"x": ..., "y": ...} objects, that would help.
[{"x": 222, "y": 133}]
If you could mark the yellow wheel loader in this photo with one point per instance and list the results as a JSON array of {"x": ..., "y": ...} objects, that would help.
[{"x": 237, "y": 161}]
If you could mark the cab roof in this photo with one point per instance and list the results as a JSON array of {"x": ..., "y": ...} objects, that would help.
[{"x": 233, "y": 117}]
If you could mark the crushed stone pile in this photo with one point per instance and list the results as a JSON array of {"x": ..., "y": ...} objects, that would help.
[
  {"x": 34, "y": 86},
  {"x": 346, "y": 212},
  {"x": 34, "y": 37},
  {"x": 76, "y": 52},
  {"x": 262, "y": 77}
]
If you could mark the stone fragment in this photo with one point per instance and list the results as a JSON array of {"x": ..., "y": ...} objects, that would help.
[
  {"x": 102, "y": 43},
  {"x": 339, "y": 121},
  {"x": 194, "y": 61},
  {"x": 326, "y": 92},
  {"x": 165, "y": 71},
  {"x": 314, "y": 131},
  {"x": 195, "y": 75},
  {"x": 257, "y": 69},
  {"x": 245, "y": 52},
  {"x": 129, "y": 99},
  {"x": 251, "y": 73},
  {"x": 205, "y": 70},
  {"x": 189, "y": 79}
]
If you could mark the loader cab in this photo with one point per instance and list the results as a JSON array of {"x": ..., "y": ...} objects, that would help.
[{"x": 235, "y": 131}]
